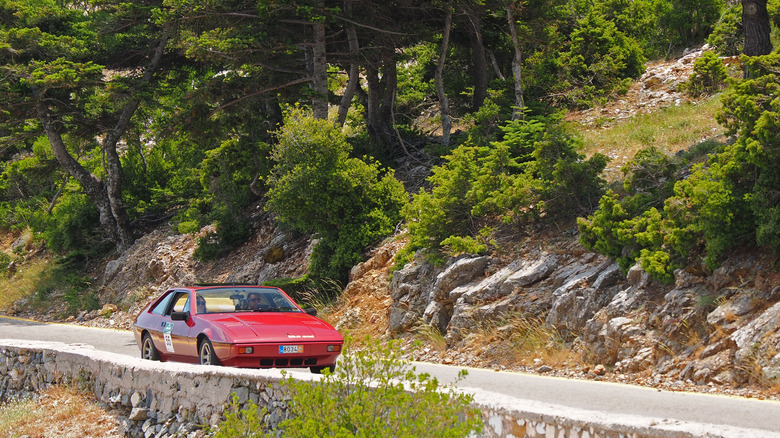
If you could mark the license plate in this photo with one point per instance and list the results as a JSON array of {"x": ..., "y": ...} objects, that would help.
[{"x": 284, "y": 349}]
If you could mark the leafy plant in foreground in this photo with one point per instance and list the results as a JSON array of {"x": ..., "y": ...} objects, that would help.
[{"x": 374, "y": 392}]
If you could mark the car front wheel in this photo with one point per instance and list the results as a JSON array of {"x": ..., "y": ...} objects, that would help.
[
  {"x": 148, "y": 351},
  {"x": 206, "y": 353}
]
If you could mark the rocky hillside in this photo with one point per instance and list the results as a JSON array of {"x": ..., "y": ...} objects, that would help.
[{"x": 540, "y": 303}]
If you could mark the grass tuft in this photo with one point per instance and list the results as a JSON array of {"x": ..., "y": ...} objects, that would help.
[
  {"x": 671, "y": 129},
  {"x": 24, "y": 282}
]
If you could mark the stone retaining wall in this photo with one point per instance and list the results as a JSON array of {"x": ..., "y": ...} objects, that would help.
[{"x": 170, "y": 399}]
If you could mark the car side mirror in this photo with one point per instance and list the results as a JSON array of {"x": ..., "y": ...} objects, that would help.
[
  {"x": 311, "y": 311},
  {"x": 180, "y": 316}
]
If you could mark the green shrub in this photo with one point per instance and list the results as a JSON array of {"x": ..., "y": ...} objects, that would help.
[
  {"x": 5, "y": 261},
  {"x": 373, "y": 393},
  {"x": 728, "y": 36},
  {"x": 599, "y": 61},
  {"x": 315, "y": 187},
  {"x": 228, "y": 174},
  {"x": 728, "y": 201},
  {"x": 690, "y": 21},
  {"x": 708, "y": 77},
  {"x": 534, "y": 173},
  {"x": 73, "y": 225}
]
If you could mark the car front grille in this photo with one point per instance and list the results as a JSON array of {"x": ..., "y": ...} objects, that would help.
[{"x": 293, "y": 362}]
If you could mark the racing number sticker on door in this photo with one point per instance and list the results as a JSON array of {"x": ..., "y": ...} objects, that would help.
[{"x": 167, "y": 335}]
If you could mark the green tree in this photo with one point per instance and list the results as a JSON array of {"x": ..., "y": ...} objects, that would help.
[
  {"x": 728, "y": 201},
  {"x": 316, "y": 187},
  {"x": 66, "y": 74}
]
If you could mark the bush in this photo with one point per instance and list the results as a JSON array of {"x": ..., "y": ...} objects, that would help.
[
  {"x": 228, "y": 174},
  {"x": 729, "y": 201},
  {"x": 315, "y": 187},
  {"x": 373, "y": 393},
  {"x": 73, "y": 225},
  {"x": 534, "y": 174},
  {"x": 600, "y": 60},
  {"x": 728, "y": 36},
  {"x": 690, "y": 21},
  {"x": 5, "y": 262},
  {"x": 708, "y": 77}
]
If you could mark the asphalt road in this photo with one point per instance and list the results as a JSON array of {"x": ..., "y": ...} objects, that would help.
[{"x": 763, "y": 417}]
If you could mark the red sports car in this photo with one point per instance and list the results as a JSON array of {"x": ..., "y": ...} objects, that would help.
[{"x": 240, "y": 326}]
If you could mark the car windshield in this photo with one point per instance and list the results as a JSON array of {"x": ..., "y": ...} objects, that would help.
[{"x": 243, "y": 299}]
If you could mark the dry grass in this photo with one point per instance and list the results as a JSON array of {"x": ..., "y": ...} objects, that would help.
[
  {"x": 430, "y": 336},
  {"x": 670, "y": 129},
  {"x": 529, "y": 341},
  {"x": 59, "y": 412},
  {"x": 23, "y": 282}
]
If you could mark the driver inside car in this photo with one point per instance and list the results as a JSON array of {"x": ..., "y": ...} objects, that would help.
[{"x": 255, "y": 301}]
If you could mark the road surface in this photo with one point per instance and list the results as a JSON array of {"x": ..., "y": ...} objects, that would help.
[{"x": 763, "y": 417}]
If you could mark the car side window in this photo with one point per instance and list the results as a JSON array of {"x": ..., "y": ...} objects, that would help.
[
  {"x": 163, "y": 304},
  {"x": 181, "y": 302}
]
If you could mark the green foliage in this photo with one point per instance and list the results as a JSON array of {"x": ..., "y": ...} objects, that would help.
[
  {"x": 5, "y": 261},
  {"x": 374, "y": 392},
  {"x": 227, "y": 175},
  {"x": 727, "y": 201},
  {"x": 72, "y": 225},
  {"x": 315, "y": 187},
  {"x": 247, "y": 422},
  {"x": 63, "y": 277},
  {"x": 534, "y": 173},
  {"x": 690, "y": 21},
  {"x": 455, "y": 245},
  {"x": 600, "y": 60},
  {"x": 708, "y": 77},
  {"x": 415, "y": 76},
  {"x": 728, "y": 36},
  {"x": 640, "y": 20}
]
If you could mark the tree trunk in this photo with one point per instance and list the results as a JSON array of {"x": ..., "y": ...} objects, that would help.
[
  {"x": 93, "y": 187},
  {"x": 479, "y": 59},
  {"x": 319, "y": 73},
  {"x": 354, "y": 69},
  {"x": 381, "y": 97},
  {"x": 444, "y": 105},
  {"x": 517, "y": 69},
  {"x": 755, "y": 20}
]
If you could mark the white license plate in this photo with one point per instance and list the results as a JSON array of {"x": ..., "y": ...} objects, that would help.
[{"x": 284, "y": 349}]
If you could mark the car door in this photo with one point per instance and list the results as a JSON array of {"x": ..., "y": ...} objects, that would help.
[
  {"x": 175, "y": 333},
  {"x": 155, "y": 320}
]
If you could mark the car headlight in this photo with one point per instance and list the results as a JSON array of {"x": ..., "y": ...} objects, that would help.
[
  {"x": 246, "y": 350},
  {"x": 332, "y": 348}
]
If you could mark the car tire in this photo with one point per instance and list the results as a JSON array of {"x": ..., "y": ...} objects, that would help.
[
  {"x": 148, "y": 350},
  {"x": 206, "y": 355},
  {"x": 318, "y": 370}
]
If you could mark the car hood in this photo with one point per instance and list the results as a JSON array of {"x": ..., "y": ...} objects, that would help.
[{"x": 274, "y": 327}]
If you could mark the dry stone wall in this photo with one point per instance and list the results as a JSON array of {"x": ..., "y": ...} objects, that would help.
[{"x": 170, "y": 399}]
